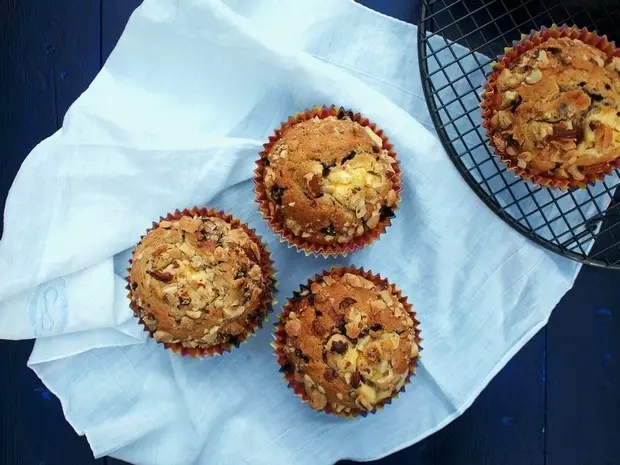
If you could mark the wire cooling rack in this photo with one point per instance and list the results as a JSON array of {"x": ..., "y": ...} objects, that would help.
[{"x": 457, "y": 42}]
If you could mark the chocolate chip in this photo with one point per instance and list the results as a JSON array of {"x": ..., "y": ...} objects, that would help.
[
  {"x": 607, "y": 86},
  {"x": 318, "y": 313},
  {"x": 348, "y": 156},
  {"x": 386, "y": 212},
  {"x": 160, "y": 275},
  {"x": 582, "y": 83},
  {"x": 515, "y": 104},
  {"x": 376, "y": 327},
  {"x": 241, "y": 272},
  {"x": 346, "y": 303},
  {"x": 326, "y": 168},
  {"x": 376, "y": 149},
  {"x": 233, "y": 340},
  {"x": 596, "y": 97},
  {"x": 134, "y": 286},
  {"x": 339, "y": 347},
  {"x": 277, "y": 193},
  {"x": 329, "y": 374},
  {"x": 554, "y": 50},
  {"x": 355, "y": 379},
  {"x": 330, "y": 230},
  {"x": 300, "y": 355},
  {"x": 287, "y": 368},
  {"x": 563, "y": 133}
]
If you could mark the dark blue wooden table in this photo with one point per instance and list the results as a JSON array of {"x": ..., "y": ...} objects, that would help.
[{"x": 556, "y": 403}]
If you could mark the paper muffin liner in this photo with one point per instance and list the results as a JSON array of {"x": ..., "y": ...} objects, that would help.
[
  {"x": 287, "y": 235},
  {"x": 280, "y": 339},
  {"x": 264, "y": 308},
  {"x": 511, "y": 54}
]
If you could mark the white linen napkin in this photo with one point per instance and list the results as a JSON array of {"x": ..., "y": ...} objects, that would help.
[{"x": 176, "y": 118}]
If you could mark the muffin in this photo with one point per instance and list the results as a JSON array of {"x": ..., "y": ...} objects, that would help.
[
  {"x": 200, "y": 282},
  {"x": 552, "y": 107},
  {"x": 347, "y": 342},
  {"x": 328, "y": 181}
]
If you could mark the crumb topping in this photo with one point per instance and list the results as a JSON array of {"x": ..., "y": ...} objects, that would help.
[
  {"x": 197, "y": 281},
  {"x": 556, "y": 110},
  {"x": 330, "y": 180},
  {"x": 350, "y": 343}
]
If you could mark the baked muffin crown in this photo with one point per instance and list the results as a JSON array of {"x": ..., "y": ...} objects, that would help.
[
  {"x": 556, "y": 109},
  {"x": 198, "y": 281},
  {"x": 349, "y": 341},
  {"x": 330, "y": 180}
]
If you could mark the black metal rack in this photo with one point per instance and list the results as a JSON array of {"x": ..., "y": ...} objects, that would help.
[{"x": 457, "y": 42}]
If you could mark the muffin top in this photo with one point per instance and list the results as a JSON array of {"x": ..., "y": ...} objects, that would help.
[
  {"x": 198, "y": 281},
  {"x": 330, "y": 180},
  {"x": 350, "y": 342},
  {"x": 557, "y": 109}
]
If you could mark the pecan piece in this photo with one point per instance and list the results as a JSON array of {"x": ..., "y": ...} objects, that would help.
[
  {"x": 160, "y": 275},
  {"x": 346, "y": 303}
]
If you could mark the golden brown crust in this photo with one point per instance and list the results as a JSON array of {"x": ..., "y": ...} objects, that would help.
[
  {"x": 329, "y": 180},
  {"x": 556, "y": 110},
  {"x": 349, "y": 342},
  {"x": 198, "y": 281}
]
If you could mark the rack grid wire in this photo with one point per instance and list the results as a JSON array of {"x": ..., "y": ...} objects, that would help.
[{"x": 458, "y": 40}]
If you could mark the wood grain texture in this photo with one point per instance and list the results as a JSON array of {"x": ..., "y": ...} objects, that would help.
[
  {"x": 32, "y": 428},
  {"x": 505, "y": 425},
  {"x": 583, "y": 373},
  {"x": 50, "y": 53}
]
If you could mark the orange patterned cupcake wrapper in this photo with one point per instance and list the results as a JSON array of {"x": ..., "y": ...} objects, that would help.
[
  {"x": 511, "y": 54},
  {"x": 286, "y": 235},
  {"x": 280, "y": 338},
  {"x": 266, "y": 304}
]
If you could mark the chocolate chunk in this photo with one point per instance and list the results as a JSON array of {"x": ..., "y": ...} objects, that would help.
[
  {"x": 607, "y": 86},
  {"x": 330, "y": 230},
  {"x": 234, "y": 340},
  {"x": 326, "y": 168},
  {"x": 355, "y": 379},
  {"x": 287, "y": 368},
  {"x": 348, "y": 156},
  {"x": 563, "y": 133},
  {"x": 515, "y": 104},
  {"x": 376, "y": 327},
  {"x": 160, "y": 275},
  {"x": 329, "y": 374},
  {"x": 277, "y": 193},
  {"x": 376, "y": 149},
  {"x": 386, "y": 212},
  {"x": 339, "y": 347},
  {"x": 300, "y": 355},
  {"x": 346, "y": 303},
  {"x": 241, "y": 272}
]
